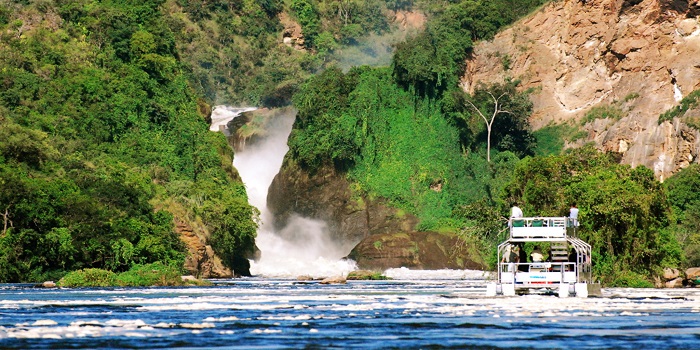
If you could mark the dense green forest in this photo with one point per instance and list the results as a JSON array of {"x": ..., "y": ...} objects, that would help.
[
  {"x": 408, "y": 134},
  {"x": 104, "y": 140}
]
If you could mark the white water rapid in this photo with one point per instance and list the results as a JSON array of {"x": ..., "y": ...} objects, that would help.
[{"x": 303, "y": 247}]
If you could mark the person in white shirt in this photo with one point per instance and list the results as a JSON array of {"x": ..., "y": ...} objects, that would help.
[
  {"x": 516, "y": 212},
  {"x": 573, "y": 215},
  {"x": 536, "y": 255}
]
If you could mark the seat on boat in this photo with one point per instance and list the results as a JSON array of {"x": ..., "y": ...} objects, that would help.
[{"x": 518, "y": 223}]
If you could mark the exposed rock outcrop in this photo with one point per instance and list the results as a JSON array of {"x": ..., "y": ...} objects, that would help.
[
  {"x": 673, "y": 278},
  {"x": 201, "y": 260},
  {"x": 640, "y": 55},
  {"x": 415, "y": 250},
  {"x": 292, "y": 35},
  {"x": 327, "y": 195}
]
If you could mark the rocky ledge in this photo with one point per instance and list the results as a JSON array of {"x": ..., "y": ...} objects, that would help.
[
  {"x": 673, "y": 278},
  {"x": 415, "y": 250}
]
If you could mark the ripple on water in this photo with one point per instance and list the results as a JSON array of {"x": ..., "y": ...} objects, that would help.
[{"x": 399, "y": 314}]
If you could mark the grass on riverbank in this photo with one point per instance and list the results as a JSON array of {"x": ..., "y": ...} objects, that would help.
[{"x": 148, "y": 275}]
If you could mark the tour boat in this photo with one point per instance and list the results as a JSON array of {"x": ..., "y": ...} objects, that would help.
[{"x": 566, "y": 270}]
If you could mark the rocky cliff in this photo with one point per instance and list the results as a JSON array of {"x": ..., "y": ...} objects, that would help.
[
  {"x": 415, "y": 250},
  {"x": 640, "y": 56},
  {"x": 327, "y": 195}
]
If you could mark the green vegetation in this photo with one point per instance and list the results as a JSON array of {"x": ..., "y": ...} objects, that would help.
[
  {"x": 366, "y": 276},
  {"x": 551, "y": 139},
  {"x": 156, "y": 274},
  {"x": 104, "y": 141},
  {"x": 684, "y": 197},
  {"x": 611, "y": 112},
  {"x": 88, "y": 278},
  {"x": 692, "y": 101},
  {"x": 432, "y": 61},
  {"x": 624, "y": 212},
  {"x": 505, "y": 112},
  {"x": 101, "y": 137}
]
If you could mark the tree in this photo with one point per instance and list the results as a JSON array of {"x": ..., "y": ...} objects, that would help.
[
  {"x": 685, "y": 200},
  {"x": 489, "y": 122},
  {"x": 624, "y": 212},
  {"x": 505, "y": 112}
]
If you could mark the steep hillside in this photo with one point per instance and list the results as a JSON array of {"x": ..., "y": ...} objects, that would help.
[{"x": 638, "y": 58}]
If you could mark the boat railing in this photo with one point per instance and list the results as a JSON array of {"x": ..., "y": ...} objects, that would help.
[
  {"x": 539, "y": 273},
  {"x": 542, "y": 228}
]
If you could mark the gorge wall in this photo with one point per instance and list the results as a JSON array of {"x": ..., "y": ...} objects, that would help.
[
  {"x": 328, "y": 196},
  {"x": 641, "y": 56}
]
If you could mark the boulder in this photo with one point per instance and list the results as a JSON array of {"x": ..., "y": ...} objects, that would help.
[
  {"x": 415, "y": 250},
  {"x": 188, "y": 278},
  {"x": 327, "y": 195},
  {"x": 334, "y": 280},
  {"x": 674, "y": 283},
  {"x": 49, "y": 284},
  {"x": 692, "y": 273},
  {"x": 670, "y": 274}
]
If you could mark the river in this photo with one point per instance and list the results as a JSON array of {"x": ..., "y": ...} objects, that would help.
[{"x": 426, "y": 309}]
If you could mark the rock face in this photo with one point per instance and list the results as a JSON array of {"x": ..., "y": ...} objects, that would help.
[
  {"x": 326, "y": 195},
  {"x": 292, "y": 35},
  {"x": 201, "y": 260},
  {"x": 415, "y": 250},
  {"x": 638, "y": 55}
]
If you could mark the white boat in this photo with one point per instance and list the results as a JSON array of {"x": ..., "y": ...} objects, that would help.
[{"x": 566, "y": 271}]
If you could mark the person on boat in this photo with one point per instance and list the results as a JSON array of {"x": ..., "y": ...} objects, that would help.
[
  {"x": 516, "y": 212},
  {"x": 510, "y": 256},
  {"x": 522, "y": 259},
  {"x": 506, "y": 254},
  {"x": 572, "y": 259},
  {"x": 536, "y": 255},
  {"x": 573, "y": 215}
]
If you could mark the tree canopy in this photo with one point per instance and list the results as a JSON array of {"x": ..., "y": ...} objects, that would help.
[{"x": 100, "y": 129}]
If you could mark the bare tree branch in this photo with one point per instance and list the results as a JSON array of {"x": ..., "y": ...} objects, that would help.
[
  {"x": 489, "y": 123},
  {"x": 6, "y": 219}
]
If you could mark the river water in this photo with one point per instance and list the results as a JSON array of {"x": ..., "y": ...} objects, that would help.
[{"x": 414, "y": 310}]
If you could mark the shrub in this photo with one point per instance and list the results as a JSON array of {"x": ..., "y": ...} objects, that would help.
[
  {"x": 602, "y": 112},
  {"x": 156, "y": 274},
  {"x": 88, "y": 278},
  {"x": 366, "y": 275},
  {"x": 689, "y": 102}
]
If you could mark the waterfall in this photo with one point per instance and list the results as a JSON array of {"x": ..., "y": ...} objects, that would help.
[{"x": 304, "y": 246}]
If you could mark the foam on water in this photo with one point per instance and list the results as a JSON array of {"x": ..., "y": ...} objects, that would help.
[
  {"x": 408, "y": 274},
  {"x": 446, "y": 310},
  {"x": 303, "y": 247},
  {"x": 221, "y": 115}
]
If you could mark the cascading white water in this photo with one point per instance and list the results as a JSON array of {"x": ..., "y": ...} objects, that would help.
[{"x": 303, "y": 247}]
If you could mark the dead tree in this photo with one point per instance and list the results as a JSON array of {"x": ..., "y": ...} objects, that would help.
[{"x": 489, "y": 122}]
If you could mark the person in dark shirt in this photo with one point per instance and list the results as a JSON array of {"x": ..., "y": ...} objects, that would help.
[{"x": 522, "y": 257}]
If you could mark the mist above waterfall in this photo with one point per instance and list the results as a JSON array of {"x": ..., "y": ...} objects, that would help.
[{"x": 304, "y": 246}]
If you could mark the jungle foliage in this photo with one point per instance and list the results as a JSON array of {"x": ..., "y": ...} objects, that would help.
[
  {"x": 401, "y": 140},
  {"x": 100, "y": 128},
  {"x": 624, "y": 212},
  {"x": 406, "y": 134},
  {"x": 685, "y": 200},
  {"x": 104, "y": 142},
  {"x": 432, "y": 61},
  {"x": 154, "y": 274}
]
